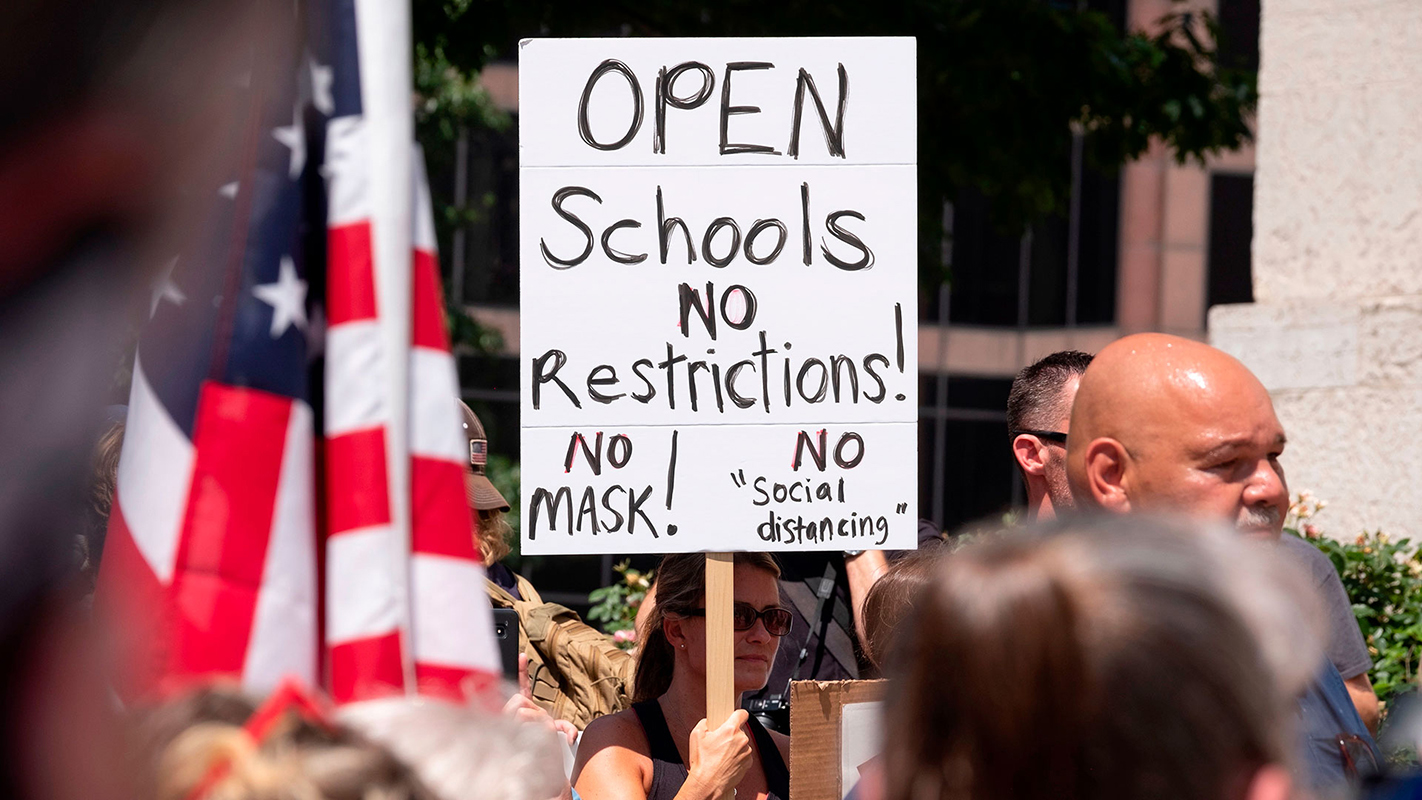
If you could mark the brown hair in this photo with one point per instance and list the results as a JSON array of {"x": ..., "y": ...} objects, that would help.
[
  {"x": 891, "y": 598},
  {"x": 1115, "y": 660},
  {"x": 1034, "y": 391},
  {"x": 680, "y": 586}
]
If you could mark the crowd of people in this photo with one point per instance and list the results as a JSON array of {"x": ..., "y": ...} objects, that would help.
[{"x": 1146, "y": 631}]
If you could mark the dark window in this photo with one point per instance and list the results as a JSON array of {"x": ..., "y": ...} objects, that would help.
[
  {"x": 1239, "y": 34},
  {"x": 1231, "y": 230},
  {"x": 987, "y": 273},
  {"x": 965, "y": 466},
  {"x": 491, "y": 272}
]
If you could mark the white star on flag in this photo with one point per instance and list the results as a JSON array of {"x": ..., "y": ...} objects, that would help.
[
  {"x": 287, "y": 297},
  {"x": 294, "y": 137},
  {"x": 166, "y": 289},
  {"x": 321, "y": 78}
]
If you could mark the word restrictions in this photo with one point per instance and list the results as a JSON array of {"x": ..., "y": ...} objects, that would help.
[{"x": 718, "y": 261}]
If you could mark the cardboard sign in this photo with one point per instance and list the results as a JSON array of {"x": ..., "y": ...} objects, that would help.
[
  {"x": 834, "y": 722},
  {"x": 718, "y": 294}
]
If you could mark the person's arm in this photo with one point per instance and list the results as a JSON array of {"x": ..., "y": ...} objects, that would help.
[
  {"x": 1360, "y": 689},
  {"x": 863, "y": 570},
  {"x": 607, "y": 765}
]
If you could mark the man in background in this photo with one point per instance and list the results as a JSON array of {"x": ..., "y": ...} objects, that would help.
[
  {"x": 1165, "y": 424},
  {"x": 1038, "y": 418}
]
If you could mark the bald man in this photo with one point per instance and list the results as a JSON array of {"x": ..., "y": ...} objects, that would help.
[{"x": 1167, "y": 424}]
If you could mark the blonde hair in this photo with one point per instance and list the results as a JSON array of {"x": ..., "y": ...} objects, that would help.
[
  {"x": 200, "y": 738},
  {"x": 491, "y": 533}
]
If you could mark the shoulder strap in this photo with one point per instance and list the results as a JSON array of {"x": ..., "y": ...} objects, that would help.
[
  {"x": 777, "y": 775},
  {"x": 498, "y": 595},
  {"x": 659, "y": 738}
]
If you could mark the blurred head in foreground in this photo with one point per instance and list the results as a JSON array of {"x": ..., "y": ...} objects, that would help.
[
  {"x": 1166, "y": 424},
  {"x": 202, "y": 748},
  {"x": 1113, "y": 658}
]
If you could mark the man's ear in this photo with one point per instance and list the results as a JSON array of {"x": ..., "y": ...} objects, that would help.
[
  {"x": 1107, "y": 478},
  {"x": 1027, "y": 449}
]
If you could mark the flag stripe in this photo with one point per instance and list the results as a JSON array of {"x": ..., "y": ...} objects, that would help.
[
  {"x": 154, "y": 473},
  {"x": 347, "y": 154},
  {"x": 357, "y": 485},
  {"x": 239, "y": 436},
  {"x": 135, "y": 599},
  {"x": 434, "y": 407},
  {"x": 357, "y": 376},
  {"x": 428, "y": 319},
  {"x": 284, "y": 631},
  {"x": 452, "y": 623},
  {"x": 361, "y": 595},
  {"x": 439, "y": 510},
  {"x": 350, "y": 295},
  {"x": 364, "y": 669}
]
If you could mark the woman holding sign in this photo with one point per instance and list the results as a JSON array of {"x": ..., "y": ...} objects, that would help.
[{"x": 661, "y": 749}]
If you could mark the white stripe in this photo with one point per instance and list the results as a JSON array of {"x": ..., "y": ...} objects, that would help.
[
  {"x": 357, "y": 378},
  {"x": 453, "y": 622},
  {"x": 435, "y": 419},
  {"x": 424, "y": 209},
  {"x": 283, "y": 638},
  {"x": 155, "y": 472},
  {"x": 362, "y": 597},
  {"x": 346, "y": 158},
  {"x": 383, "y": 40}
]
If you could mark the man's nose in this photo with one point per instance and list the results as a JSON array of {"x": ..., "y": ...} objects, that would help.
[{"x": 1267, "y": 486}]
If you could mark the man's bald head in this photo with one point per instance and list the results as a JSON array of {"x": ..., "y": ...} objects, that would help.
[{"x": 1166, "y": 423}]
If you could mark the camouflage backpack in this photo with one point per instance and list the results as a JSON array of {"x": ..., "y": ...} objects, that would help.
[{"x": 576, "y": 672}]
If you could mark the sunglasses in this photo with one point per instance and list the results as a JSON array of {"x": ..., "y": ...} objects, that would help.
[{"x": 743, "y": 616}]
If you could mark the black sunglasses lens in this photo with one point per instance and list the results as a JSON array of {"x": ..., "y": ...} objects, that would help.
[{"x": 743, "y": 616}]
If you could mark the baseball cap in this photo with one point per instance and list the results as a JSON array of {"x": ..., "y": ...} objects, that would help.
[{"x": 480, "y": 491}]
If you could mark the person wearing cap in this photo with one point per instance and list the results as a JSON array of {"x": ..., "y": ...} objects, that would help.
[
  {"x": 575, "y": 672},
  {"x": 491, "y": 527}
]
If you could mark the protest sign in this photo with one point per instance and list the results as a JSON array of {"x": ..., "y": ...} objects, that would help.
[
  {"x": 839, "y": 723},
  {"x": 718, "y": 297}
]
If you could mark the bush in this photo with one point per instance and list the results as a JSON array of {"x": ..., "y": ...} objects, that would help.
[
  {"x": 1383, "y": 578},
  {"x": 616, "y": 606}
]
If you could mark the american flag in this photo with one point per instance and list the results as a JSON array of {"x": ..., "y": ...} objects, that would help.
[{"x": 290, "y": 495}]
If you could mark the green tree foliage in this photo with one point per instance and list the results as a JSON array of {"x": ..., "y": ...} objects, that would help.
[{"x": 1001, "y": 83}]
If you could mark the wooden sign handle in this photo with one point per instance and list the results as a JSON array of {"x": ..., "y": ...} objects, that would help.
[{"x": 720, "y": 644}]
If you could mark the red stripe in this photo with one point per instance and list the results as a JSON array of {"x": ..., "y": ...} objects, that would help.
[
  {"x": 452, "y": 683},
  {"x": 358, "y": 490},
  {"x": 439, "y": 511},
  {"x": 362, "y": 669},
  {"x": 239, "y": 438},
  {"x": 136, "y": 603},
  {"x": 428, "y": 304},
  {"x": 350, "y": 288}
]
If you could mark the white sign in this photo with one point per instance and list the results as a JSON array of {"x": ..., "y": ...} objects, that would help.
[{"x": 718, "y": 264}]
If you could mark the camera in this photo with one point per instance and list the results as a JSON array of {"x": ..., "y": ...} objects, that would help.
[{"x": 773, "y": 711}]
